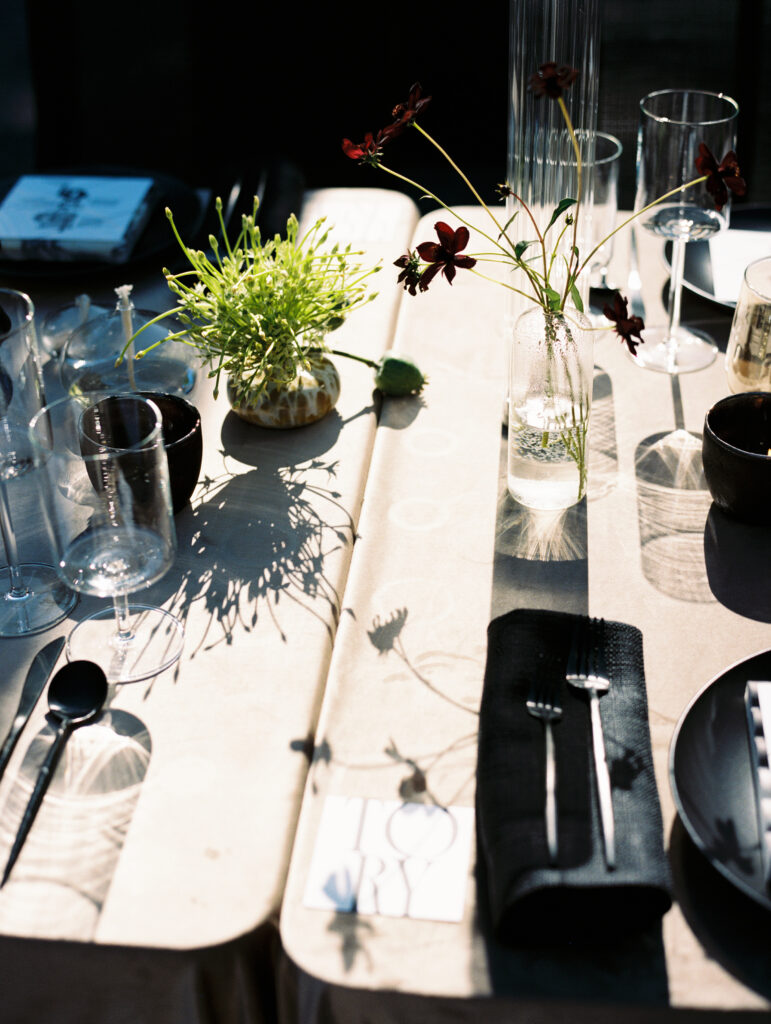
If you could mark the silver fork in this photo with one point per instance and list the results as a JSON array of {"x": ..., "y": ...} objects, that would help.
[
  {"x": 587, "y": 670},
  {"x": 543, "y": 702}
]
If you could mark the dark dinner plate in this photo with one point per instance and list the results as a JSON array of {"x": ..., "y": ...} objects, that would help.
[
  {"x": 156, "y": 242},
  {"x": 711, "y": 775},
  {"x": 697, "y": 275}
]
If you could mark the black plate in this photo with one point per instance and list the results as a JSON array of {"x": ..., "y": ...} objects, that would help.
[
  {"x": 711, "y": 776},
  {"x": 697, "y": 276},
  {"x": 155, "y": 243}
]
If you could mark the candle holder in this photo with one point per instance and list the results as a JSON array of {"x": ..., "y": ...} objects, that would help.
[{"x": 736, "y": 452}]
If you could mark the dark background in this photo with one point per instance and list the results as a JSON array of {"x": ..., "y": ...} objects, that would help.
[{"x": 202, "y": 91}]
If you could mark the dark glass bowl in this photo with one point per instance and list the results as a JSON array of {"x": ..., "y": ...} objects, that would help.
[
  {"x": 183, "y": 442},
  {"x": 735, "y": 452}
]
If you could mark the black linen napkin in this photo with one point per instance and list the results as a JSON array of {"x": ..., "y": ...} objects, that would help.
[{"x": 578, "y": 900}]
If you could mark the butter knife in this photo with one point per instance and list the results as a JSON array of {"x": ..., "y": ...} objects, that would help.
[{"x": 37, "y": 676}]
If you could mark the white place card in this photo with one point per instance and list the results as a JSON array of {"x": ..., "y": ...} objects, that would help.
[
  {"x": 730, "y": 253},
  {"x": 391, "y": 858},
  {"x": 50, "y": 216},
  {"x": 758, "y": 702}
]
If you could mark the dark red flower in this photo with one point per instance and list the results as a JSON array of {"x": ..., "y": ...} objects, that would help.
[
  {"x": 552, "y": 80},
  {"x": 444, "y": 255},
  {"x": 626, "y": 327},
  {"x": 369, "y": 151},
  {"x": 403, "y": 113},
  {"x": 410, "y": 275},
  {"x": 720, "y": 176}
]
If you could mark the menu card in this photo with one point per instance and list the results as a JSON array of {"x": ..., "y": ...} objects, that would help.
[
  {"x": 66, "y": 217},
  {"x": 391, "y": 858},
  {"x": 758, "y": 702}
]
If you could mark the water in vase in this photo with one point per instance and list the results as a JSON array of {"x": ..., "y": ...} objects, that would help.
[{"x": 545, "y": 436}]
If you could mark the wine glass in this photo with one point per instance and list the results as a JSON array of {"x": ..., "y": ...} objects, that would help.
[
  {"x": 673, "y": 123},
  {"x": 32, "y": 597},
  {"x": 108, "y": 511}
]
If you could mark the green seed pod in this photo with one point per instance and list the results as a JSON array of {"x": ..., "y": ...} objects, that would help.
[{"x": 398, "y": 376}]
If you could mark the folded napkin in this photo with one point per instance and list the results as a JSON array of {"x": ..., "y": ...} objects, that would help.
[{"x": 578, "y": 900}]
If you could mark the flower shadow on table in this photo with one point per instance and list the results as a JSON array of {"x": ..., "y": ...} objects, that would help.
[
  {"x": 672, "y": 505},
  {"x": 258, "y": 539},
  {"x": 61, "y": 880},
  {"x": 737, "y": 556},
  {"x": 731, "y": 927}
]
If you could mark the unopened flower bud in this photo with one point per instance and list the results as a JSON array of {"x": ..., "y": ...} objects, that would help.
[{"x": 398, "y": 376}]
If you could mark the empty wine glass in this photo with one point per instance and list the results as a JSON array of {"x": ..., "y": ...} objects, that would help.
[
  {"x": 109, "y": 515},
  {"x": 672, "y": 125},
  {"x": 32, "y": 597}
]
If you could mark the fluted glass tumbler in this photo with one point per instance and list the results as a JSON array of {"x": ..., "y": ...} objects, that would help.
[
  {"x": 32, "y": 596},
  {"x": 109, "y": 515}
]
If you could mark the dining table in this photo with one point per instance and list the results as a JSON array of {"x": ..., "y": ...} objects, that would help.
[
  {"x": 336, "y": 584},
  {"x": 150, "y": 885}
]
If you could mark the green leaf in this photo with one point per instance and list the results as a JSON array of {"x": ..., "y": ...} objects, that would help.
[
  {"x": 576, "y": 297},
  {"x": 564, "y": 204},
  {"x": 553, "y": 298},
  {"x": 508, "y": 223},
  {"x": 520, "y": 247}
]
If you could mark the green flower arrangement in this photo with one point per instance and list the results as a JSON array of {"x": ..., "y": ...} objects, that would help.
[{"x": 259, "y": 311}]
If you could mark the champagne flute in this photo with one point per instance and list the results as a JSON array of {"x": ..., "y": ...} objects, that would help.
[
  {"x": 673, "y": 122},
  {"x": 109, "y": 515},
  {"x": 32, "y": 597}
]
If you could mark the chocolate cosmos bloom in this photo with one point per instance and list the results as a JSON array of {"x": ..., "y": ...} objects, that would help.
[
  {"x": 403, "y": 113},
  {"x": 445, "y": 255},
  {"x": 720, "y": 177},
  {"x": 369, "y": 151},
  {"x": 410, "y": 275},
  {"x": 626, "y": 327},
  {"x": 551, "y": 80}
]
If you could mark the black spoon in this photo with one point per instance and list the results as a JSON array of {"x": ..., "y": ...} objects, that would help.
[{"x": 75, "y": 696}]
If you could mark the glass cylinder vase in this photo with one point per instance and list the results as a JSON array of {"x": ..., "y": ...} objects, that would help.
[
  {"x": 541, "y": 167},
  {"x": 550, "y": 396}
]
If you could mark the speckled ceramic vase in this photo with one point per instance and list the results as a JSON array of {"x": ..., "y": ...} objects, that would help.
[{"x": 311, "y": 395}]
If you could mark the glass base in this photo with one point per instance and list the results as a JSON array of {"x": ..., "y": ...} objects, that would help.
[
  {"x": 155, "y": 643},
  {"x": 692, "y": 350},
  {"x": 46, "y": 602}
]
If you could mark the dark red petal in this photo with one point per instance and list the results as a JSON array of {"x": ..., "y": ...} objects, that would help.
[
  {"x": 446, "y": 235},
  {"x": 449, "y": 272},
  {"x": 465, "y": 262},
  {"x": 352, "y": 150},
  {"x": 428, "y": 275},
  {"x": 431, "y": 252},
  {"x": 461, "y": 239}
]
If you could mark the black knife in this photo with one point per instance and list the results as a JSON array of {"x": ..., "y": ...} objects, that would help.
[{"x": 39, "y": 672}]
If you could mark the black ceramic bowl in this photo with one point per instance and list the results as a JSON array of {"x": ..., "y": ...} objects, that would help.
[
  {"x": 183, "y": 442},
  {"x": 736, "y": 451}
]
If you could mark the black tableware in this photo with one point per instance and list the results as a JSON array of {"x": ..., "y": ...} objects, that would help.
[
  {"x": 37, "y": 676},
  {"x": 118, "y": 423},
  {"x": 711, "y": 776},
  {"x": 736, "y": 452},
  {"x": 75, "y": 696},
  {"x": 183, "y": 442}
]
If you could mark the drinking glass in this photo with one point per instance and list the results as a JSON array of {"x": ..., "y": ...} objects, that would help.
[
  {"x": 32, "y": 597},
  {"x": 109, "y": 515},
  {"x": 604, "y": 170},
  {"x": 748, "y": 356},
  {"x": 673, "y": 123}
]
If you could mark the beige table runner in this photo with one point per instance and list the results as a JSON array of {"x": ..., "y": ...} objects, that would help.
[{"x": 429, "y": 571}]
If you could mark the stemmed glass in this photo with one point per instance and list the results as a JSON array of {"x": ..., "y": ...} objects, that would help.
[
  {"x": 672, "y": 125},
  {"x": 32, "y": 597},
  {"x": 108, "y": 511}
]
